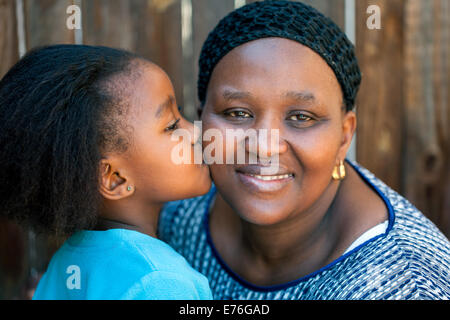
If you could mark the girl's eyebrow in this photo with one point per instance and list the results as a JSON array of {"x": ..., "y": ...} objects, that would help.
[{"x": 163, "y": 106}]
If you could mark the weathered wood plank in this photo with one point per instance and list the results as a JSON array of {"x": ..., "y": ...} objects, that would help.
[
  {"x": 205, "y": 16},
  {"x": 46, "y": 22},
  {"x": 13, "y": 260},
  {"x": 380, "y": 100},
  {"x": 8, "y": 36},
  {"x": 426, "y": 157},
  {"x": 149, "y": 28},
  {"x": 442, "y": 98},
  {"x": 12, "y": 238}
]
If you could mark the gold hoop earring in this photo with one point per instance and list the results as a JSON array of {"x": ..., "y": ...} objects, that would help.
[{"x": 339, "y": 171}]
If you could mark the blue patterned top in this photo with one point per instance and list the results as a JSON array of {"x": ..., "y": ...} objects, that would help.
[{"x": 411, "y": 260}]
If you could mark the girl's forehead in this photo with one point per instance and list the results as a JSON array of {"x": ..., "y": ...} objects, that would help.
[{"x": 153, "y": 93}]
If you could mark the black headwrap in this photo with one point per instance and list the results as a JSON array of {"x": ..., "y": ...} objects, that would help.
[{"x": 284, "y": 19}]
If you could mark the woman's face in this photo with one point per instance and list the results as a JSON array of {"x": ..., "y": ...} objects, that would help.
[
  {"x": 276, "y": 83},
  {"x": 148, "y": 164}
]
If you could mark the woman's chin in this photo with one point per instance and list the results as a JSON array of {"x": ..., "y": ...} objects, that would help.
[{"x": 261, "y": 217}]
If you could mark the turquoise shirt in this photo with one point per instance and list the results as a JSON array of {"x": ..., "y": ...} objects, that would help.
[{"x": 119, "y": 264}]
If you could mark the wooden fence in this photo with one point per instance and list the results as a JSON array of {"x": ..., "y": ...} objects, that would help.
[{"x": 403, "y": 105}]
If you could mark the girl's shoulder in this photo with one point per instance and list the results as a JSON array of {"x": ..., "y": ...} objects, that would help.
[
  {"x": 122, "y": 250},
  {"x": 118, "y": 264}
]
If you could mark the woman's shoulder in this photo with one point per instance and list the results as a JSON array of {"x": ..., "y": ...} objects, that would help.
[
  {"x": 413, "y": 247},
  {"x": 398, "y": 265},
  {"x": 403, "y": 215},
  {"x": 407, "y": 225}
]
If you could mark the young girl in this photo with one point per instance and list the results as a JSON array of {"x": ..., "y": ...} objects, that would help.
[{"x": 85, "y": 151}]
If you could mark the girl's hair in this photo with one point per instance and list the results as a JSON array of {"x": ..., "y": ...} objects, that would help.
[{"x": 61, "y": 107}]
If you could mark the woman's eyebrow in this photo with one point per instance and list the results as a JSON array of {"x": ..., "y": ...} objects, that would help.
[
  {"x": 296, "y": 95},
  {"x": 236, "y": 95},
  {"x": 163, "y": 106},
  {"x": 302, "y": 96}
]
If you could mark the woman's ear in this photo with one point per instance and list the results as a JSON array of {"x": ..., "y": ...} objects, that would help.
[
  {"x": 113, "y": 184},
  {"x": 348, "y": 130}
]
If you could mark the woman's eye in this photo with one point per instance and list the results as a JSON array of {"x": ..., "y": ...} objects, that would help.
[
  {"x": 238, "y": 114},
  {"x": 299, "y": 117},
  {"x": 173, "y": 126}
]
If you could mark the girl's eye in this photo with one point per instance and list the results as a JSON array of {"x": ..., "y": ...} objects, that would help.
[
  {"x": 238, "y": 114},
  {"x": 173, "y": 126}
]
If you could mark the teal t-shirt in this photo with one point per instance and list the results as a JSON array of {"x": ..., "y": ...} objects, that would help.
[{"x": 119, "y": 264}]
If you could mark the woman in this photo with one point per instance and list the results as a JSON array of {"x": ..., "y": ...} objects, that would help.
[
  {"x": 320, "y": 227},
  {"x": 85, "y": 148}
]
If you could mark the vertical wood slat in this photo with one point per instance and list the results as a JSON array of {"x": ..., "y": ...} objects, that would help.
[
  {"x": 380, "y": 98},
  {"x": 403, "y": 102},
  {"x": 8, "y": 36},
  {"x": 45, "y": 22},
  {"x": 426, "y": 157},
  {"x": 149, "y": 28},
  {"x": 441, "y": 82},
  {"x": 205, "y": 16},
  {"x": 13, "y": 259},
  {"x": 12, "y": 238}
]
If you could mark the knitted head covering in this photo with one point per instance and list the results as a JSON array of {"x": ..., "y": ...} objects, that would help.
[{"x": 284, "y": 19}]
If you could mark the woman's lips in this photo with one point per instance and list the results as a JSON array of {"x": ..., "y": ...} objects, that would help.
[{"x": 264, "y": 183}]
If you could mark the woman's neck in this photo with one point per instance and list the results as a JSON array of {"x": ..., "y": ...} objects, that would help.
[{"x": 282, "y": 252}]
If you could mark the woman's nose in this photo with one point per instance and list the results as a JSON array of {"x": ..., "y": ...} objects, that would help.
[{"x": 269, "y": 142}]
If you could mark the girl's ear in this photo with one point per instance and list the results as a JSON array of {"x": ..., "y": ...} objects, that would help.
[
  {"x": 113, "y": 185},
  {"x": 348, "y": 130}
]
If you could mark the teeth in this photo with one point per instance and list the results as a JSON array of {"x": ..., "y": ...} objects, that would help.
[{"x": 268, "y": 178}]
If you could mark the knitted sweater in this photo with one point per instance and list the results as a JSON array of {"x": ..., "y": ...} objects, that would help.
[{"x": 411, "y": 260}]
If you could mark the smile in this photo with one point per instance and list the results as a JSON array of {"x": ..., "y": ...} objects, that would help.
[
  {"x": 270, "y": 178},
  {"x": 257, "y": 183}
]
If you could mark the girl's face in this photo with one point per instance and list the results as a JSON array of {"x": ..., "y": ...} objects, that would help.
[
  {"x": 276, "y": 83},
  {"x": 147, "y": 164}
]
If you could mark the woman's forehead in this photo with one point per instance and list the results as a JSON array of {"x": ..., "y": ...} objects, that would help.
[{"x": 273, "y": 66}]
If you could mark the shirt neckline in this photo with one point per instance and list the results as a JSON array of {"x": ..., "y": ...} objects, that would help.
[
  {"x": 251, "y": 286},
  {"x": 108, "y": 238}
]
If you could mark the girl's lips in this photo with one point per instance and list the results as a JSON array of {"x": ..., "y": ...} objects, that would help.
[{"x": 264, "y": 183}]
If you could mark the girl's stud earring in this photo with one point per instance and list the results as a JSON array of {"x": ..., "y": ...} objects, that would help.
[{"x": 129, "y": 188}]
